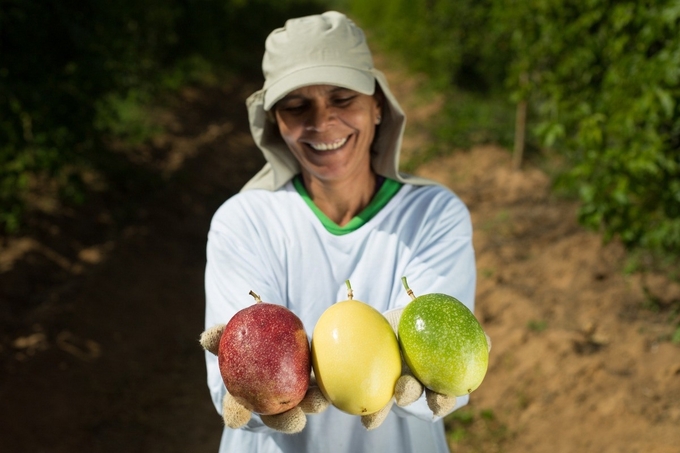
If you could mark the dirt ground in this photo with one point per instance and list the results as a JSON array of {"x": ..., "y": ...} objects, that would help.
[{"x": 101, "y": 308}]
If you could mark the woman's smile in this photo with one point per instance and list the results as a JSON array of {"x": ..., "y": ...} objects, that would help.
[{"x": 328, "y": 146}]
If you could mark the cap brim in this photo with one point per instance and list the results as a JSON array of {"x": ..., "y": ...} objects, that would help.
[{"x": 360, "y": 81}]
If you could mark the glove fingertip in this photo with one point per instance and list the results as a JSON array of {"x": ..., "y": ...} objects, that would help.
[
  {"x": 290, "y": 422},
  {"x": 374, "y": 420},
  {"x": 438, "y": 403},
  {"x": 407, "y": 390},
  {"x": 314, "y": 401},
  {"x": 233, "y": 413},
  {"x": 210, "y": 339}
]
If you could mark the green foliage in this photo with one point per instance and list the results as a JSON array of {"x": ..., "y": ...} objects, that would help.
[
  {"x": 459, "y": 423},
  {"x": 466, "y": 61},
  {"x": 473, "y": 430},
  {"x": 450, "y": 41},
  {"x": 537, "y": 325},
  {"x": 605, "y": 80},
  {"x": 469, "y": 118},
  {"x": 73, "y": 72},
  {"x": 602, "y": 79},
  {"x": 675, "y": 338},
  {"x": 125, "y": 116}
]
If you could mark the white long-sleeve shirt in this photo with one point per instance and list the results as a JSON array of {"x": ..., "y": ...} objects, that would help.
[{"x": 273, "y": 244}]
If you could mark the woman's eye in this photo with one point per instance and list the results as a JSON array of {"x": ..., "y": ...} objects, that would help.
[
  {"x": 293, "y": 108},
  {"x": 344, "y": 100}
]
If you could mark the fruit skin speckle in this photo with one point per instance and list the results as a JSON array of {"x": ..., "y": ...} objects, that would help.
[
  {"x": 264, "y": 358},
  {"x": 443, "y": 344}
]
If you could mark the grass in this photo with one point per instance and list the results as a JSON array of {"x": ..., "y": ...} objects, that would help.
[
  {"x": 466, "y": 119},
  {"x": 537, "y": 325},
  {"x": 473, "y": 430}
]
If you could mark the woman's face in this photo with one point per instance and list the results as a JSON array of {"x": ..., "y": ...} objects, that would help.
[{"x": 329, "y": 130}]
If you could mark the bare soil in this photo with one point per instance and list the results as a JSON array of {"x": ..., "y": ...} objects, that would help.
[
  {"x": 101, "y": 306},
  {"x": 581, "y": 358}
]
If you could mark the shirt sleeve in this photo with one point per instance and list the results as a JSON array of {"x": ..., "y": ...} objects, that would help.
[
  {"x": 234, "y": 267},
  {"x": 443, "y": 261}
]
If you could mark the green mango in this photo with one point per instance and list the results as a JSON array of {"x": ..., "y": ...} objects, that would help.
[{"x": 443, "y": 344}]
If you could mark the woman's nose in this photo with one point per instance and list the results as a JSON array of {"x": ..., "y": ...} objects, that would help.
[{"x": 319, "y": 117}]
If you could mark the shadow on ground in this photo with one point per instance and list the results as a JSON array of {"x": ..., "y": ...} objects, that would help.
[{"x": 102, "y": 305}]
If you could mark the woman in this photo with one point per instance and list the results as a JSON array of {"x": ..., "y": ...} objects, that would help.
[{"x": 330, "y": 205}]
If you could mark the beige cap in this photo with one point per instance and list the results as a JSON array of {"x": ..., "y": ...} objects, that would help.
[{"x": 327, "y": 49}]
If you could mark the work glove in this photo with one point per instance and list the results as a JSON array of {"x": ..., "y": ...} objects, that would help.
[
  {"x": 375, "y": 419},
  {"x": 235, "y": 415},
  {"x": 408, "y": 388}
]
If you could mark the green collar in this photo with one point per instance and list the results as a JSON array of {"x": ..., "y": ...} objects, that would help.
[{"x": 387, "y": 190}]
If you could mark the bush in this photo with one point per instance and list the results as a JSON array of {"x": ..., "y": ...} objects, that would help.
[
  {"x": 73, "y": 72},
  {"x": 605, "y": 80},
  {"x": 602, "y": 80},
  {"x": 452, "y": 42}
]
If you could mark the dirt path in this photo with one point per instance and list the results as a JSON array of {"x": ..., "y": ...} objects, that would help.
[
  {"x": 106, "y": 358},
  {"x": 100, "y": 317}
]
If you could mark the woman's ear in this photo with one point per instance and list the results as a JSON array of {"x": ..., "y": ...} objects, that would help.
[{"x": 379, "y": 97}]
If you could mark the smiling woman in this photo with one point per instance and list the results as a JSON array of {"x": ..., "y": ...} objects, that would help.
[
  {"x": 330, "y": 130},
  {"x": 330, "y": 205}
]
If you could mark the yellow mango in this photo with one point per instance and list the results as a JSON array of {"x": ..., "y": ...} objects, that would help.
[{"x": 355, "y": 357}]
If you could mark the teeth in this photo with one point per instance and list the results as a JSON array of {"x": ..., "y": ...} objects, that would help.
[{"x": 328, "y": 146}]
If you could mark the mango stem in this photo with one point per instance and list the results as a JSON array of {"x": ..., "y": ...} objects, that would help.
[
  {"x": 408, "y": 290},
  {"x": 256, "y": 297},
  {"x": 350, "y": 293}
]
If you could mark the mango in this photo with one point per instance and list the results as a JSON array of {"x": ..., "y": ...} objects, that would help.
[
  {"x": 264, "y": 358},
  {"x": 443, "y": 344},
  {"x": 355, "y": 357}
]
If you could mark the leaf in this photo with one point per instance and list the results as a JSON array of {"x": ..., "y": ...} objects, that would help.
[{"x": 666, "y": 100}]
